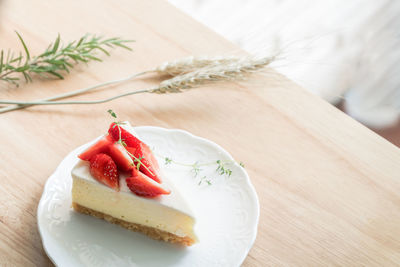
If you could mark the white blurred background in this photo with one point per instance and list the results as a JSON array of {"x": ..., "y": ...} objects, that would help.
[{"x": 344, "y": 51}]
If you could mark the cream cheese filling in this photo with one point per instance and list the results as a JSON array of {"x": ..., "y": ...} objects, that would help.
[{"x": 168, "y": 212}]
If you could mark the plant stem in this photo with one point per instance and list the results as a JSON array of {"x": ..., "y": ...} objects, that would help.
[
  {"x": 38, "y": 103},
  {"x": 198, "y": 164},
  {"x": 76, "y": 92},
  {"x": 6, "y": 73}
]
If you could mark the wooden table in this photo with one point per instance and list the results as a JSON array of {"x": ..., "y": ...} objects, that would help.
[{"x": 329, "y": 188}]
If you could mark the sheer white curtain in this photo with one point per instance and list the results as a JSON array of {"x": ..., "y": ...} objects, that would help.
[{"x": 335, "y": 48}]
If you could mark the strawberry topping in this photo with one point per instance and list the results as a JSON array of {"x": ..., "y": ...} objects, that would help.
[
  {"x": 108, "y": 155},
  {"x": 141, "y": 151},
  {"x": 104, "y": 170},
  {"x": 120, "y": 157},
  {"x": 100, "y": 146},
  {"x": 144, "y": 186}
]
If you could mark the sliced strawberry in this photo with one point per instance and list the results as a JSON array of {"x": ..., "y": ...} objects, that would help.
[
  {"x": 129, "y": 139},
  {"x": 149, "y": 165},
  {"x": 100, "y": 146},
  {"x": 144, "y": 186},
  {"x": 120, "y": 157},
  {"x": 145, "y": 151},
  {"x": 104, "y": 170}
]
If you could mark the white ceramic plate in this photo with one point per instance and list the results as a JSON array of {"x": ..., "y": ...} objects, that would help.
[{"x": 227, "y": 213}]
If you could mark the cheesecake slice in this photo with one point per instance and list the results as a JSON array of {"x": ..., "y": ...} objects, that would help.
[{"x": 131, "y": 202}]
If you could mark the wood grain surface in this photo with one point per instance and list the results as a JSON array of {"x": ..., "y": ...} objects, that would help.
[{"x": 328, "y": 187}]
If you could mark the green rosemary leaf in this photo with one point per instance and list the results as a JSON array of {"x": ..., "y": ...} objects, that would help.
[
  {"x": 68, "y": 65},
  {"x": 25, "y": 47},
  {"x": 8, "y": 55},
  {"x": 22, "y": 68},
  {"x": 81, "y": 40},
  {"x": 55, "y": 74},
  {"x": 112, "y": 113},
  {"x": 168, "y": 161},
  {"x": 17, "y": 59},
  {"x": 56, "y": 44},
  {"x": 123, "y": 46},
  {"x": 26, "y": 76},
  {"x": 110, "y": 40},
  {"x": 1, "y": 61},
  {"x": 93, "y": 57},
  {"x": 103, "y": 50}
]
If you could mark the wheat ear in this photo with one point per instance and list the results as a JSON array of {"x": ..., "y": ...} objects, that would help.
[
  {"x": 232, "y": 70},
  {"x": 189, "y": 64}
]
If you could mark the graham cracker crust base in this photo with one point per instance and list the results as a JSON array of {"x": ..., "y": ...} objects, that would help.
[{"x": 149, "y": 231}]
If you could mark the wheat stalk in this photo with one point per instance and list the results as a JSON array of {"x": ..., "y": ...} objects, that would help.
[{"x": 204, "y": 70}]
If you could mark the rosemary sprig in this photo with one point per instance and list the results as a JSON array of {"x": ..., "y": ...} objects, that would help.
[
  {"x": 195, "y": 168},
  {"x": 57, "y": 59},
  {"x": 222, "y": 169}
]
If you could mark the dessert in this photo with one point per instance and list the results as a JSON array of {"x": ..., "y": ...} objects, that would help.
[{"x": 118, "y": 179}]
